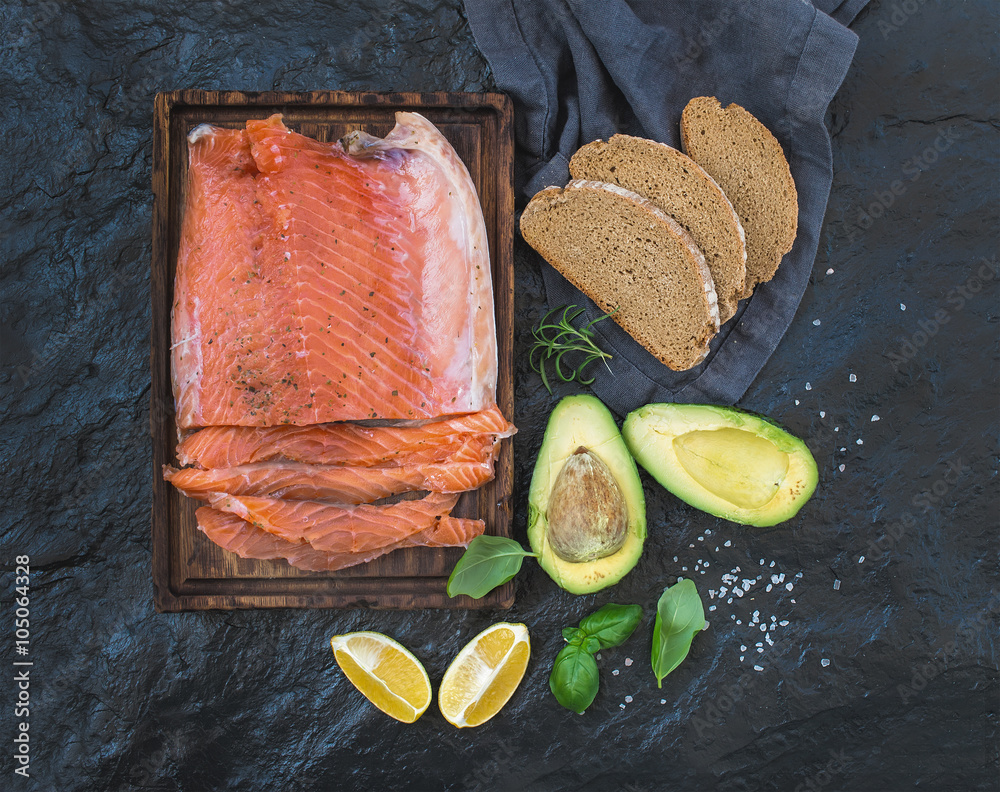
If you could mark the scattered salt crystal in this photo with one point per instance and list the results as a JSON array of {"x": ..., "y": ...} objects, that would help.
[
  {"x": 708, "y": 532},
  {"x": 628, "y": 699},
  {"x": 598, "y": 655},
  {"x": 817, "y": 322},
  {"x": 769, "y": 641},
  {"x": 741, "y": 658},
  {"x": 792, "y": 600},
  {"x": 701, "y": 571},
  {"x": 875, "y": 418},
  {"x": 796, "y": 402},
  {"x": 706, "y": 564},
  {"x": 756, "y": 613},
  {"x": 716, "y": 549},
  {"x": 842, "y": 468},
  {"x": 836, "y": 428},
  {"x": 742, "y": 648},
  {"x": 784, "y": 622},
  {"x": 853, "y": 378},
  {"x": 763, "y": 628},
  {"x": 775, "y": 579},
  {"x": 789, "y": 586},
  {"x": 860, "y": 441},
  {"x": 728, "y": 543},
  {"x": 663, "y": 701},
  {"x": 842, "y": 450},
  {"x": 809, "y": 386},
  {"x": 830, "y": 271},
  {"x": 628, "y": 661},
  {"x": 615, "y": 672},
  {"x": 771, "y": 565},
  {"x": 701, "y": 538},
  {"x": 861, "y": 560},
  {"x": 760, "y": 650},
  {"x": 822, "y": 413},
  {"x": 772, "y": 626},
  {"x": 774, "y": 618},
  {"x": 902, "y": 307},
  {"x": 684, "y": 569},
  {"x": 759, "y": 643},
  {"x": 768, "y": 587},
  {"x": 690, "y": 546},
  {"x": 622, "y": 706},
  {"x": 762, "y": 562},
  {"x": 711, "y": 607},
  {"x": 836, "y": 585},
  {"x": 781, "y": 578},
  {"x": 732, "y": 616},
  {"x": 798, "y": 576},
  {"x": 758, "y": 668},
  {"x": 675, "y": 559},
  {"x": 824, "y": 662}
]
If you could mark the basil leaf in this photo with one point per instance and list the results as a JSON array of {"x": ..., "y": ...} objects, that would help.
[
  {"x": 679, "y": 617},
  {"x": 573, "y": 635},
  {"x": 591, "y": 645},
  {"x": 612, "y": 624},
  {"x": 573, "y": 680},
  {"x": 489, "y": 561}
]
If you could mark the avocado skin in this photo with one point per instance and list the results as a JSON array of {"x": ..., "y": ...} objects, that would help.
[
  {"x": 649, "y": 433},
  {"x": 583, "y": 420}
]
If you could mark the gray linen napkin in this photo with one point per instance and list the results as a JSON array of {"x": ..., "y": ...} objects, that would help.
[{"x": 579, "y": 70}]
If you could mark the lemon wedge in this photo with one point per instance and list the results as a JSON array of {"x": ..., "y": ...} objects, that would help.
[
  {"x": 385, "y": 671},
  {"x": 484, "y": 675}
]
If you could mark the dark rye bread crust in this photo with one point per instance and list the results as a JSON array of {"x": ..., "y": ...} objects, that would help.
[
  {"x": 626, "y": 254},
  {"x": 748, "y": 163},
  {"x": 680, "y": 187}
]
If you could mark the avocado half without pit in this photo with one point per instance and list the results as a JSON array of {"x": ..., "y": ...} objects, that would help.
[
  {"x": 724, "y": 461},
  {"x": 586, "y": 510}
]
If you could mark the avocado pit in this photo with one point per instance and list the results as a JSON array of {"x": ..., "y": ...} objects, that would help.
[{"x": 587, "y": 516}]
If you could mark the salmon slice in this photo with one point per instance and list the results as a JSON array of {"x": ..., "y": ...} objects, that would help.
[
  {"x": 342, "y": 443},
  {"x": 337, "y": 483},
  {"x": 246, "y": 540},
  {"x": 318, "y": 284},
  {"x": 338, "y": 528}
]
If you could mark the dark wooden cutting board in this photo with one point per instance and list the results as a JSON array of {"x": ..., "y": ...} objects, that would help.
[{"x": 189, "y": 571}]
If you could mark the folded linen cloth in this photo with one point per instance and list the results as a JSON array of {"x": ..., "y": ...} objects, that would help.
[{"x": 579, "y": 70}]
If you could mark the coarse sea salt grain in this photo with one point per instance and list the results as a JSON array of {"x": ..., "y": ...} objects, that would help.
[
  {"x": 628, "y": 661},
  {"x": 902, "y": 307},
  {"x": 860, "y": 441},
  {"x": 769, "y": 641},
  {"x": 836, "y": 585},
  {"x": 861, "y": 560},
  {"x": 817, "y": 322},
  {"x": 758, "y": 668},
  {"x": 796, "y": 402},
  {"x": 622, "y": 706},
  {"x": 824, "y": 662},
  {"x": 769, "y": 587},
  {"x": 728, "y": 543},
  {"x": 822, "y": 413},
  {"x": 663, "y": 701},
  {"x": 842, "y": 468},
  {"x": 875, "y": 418},
  {"x": 830, "y": 271},
  {"x": 615, "y": 672},
  {"x": 742, "y": 648},
  {"x": 711, "y": 607},
  {"x": 853, "y": 378},
  {"x": 628, "y": 699},
  {"x": 809, "y": 386},
  {"x": 789, "y": 586}
]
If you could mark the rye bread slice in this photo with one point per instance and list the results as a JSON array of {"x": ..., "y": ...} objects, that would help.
[
  {"x": 680, "y": 187},
  {"x": 747, "y": 161},
  {"x": 625, "y": 253}
]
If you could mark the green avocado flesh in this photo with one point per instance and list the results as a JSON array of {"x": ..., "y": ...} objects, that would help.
[
  {"x": 730, "y": 463},
  {"x": 599, "y": 493}
]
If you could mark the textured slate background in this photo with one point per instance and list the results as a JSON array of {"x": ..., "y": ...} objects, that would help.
[{"x": 124, "y": 698}]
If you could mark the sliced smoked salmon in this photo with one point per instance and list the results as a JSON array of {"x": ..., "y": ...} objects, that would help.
[
  {"x": 336, "y": 483},
  {"x": 337, "y": 444},
  {"x": 318, "y": 284},
  {"x": 246, "y": 540},
  {"x": 338, "y": 528}
]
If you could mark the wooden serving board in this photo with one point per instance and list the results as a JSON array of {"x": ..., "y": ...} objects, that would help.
[{"x": 189, "y": 571}]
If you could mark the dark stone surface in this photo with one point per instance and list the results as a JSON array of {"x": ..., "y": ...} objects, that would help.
[{"x": 124, "y": 698}]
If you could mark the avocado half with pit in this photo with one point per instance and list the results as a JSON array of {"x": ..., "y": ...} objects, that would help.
[
  {"x": 724, "y": 461},
  {"x": 586, "y": 510}
]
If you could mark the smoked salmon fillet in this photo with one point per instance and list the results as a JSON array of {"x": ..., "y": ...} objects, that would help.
[
  {"x": 246, "y": 540},
  {"x": 338, "y": 528},
  {"x": 336, "y": 483},
  {"x": 318, "y": 283},
  {"x": 335, "y": 444}
]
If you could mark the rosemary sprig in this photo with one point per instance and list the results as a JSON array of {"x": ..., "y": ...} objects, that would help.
[{"x": 554, "y": 339}]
